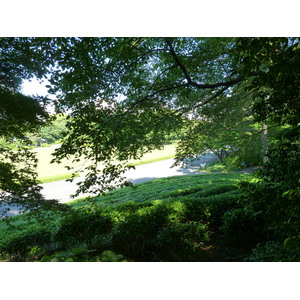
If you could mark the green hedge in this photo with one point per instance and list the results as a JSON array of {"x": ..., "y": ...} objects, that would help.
[{"x": 174, "y": 225}]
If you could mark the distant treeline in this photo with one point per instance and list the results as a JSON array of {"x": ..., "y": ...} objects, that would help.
[{"x": 49, "y": 134}]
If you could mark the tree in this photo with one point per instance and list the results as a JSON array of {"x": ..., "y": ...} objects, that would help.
[
  {"x": 20, "y": 58},
  {"x": 124, "y": 96},
  {"x": 160, "y": 79},
  {"x": 225, "y": 127},
  {"x": 276, "y": 196},
  {"x": 53, "y": 132}
]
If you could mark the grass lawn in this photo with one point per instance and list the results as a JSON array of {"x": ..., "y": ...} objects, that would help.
[
  {"x": 48, "y": 172},
  {"x": 55, "y": 178}
]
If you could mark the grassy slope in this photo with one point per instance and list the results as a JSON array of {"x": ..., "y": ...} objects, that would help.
[
  {"x": 165, "y": 188},
  {"x": 48, "y": 172},
  {"x": 158, "y": 189}
]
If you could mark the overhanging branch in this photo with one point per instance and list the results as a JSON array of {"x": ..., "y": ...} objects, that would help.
[
  {"x": 183, "y": 110},
  {"x": 188, "y": 77}
]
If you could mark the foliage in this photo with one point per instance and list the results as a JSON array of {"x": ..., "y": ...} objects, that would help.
[
  {"x": 230, "y": 164},
  {"x": 27, "y": 117},
  {"x": 180, "y": 242},
  {"x": 50, "y": 133},
  {"x": 202, "y": 89},
  {"x": 127, "y": 96},
  {"x": 276, "y": 195},
  {"x": 269, "y": 252},
  {"x": 83, "y": 255},
  {"x": 279, "y": 211},
  {"x": 19, "y": 245},
  {"x": 243, "y": 228},
  {"x": 72, "y": 255},
  {"x": 135, "y": 236},
  {"x": 54, "y": 132},
  {"x": 81, "y": 228},
  {"x": 226, "y": 127},
  {"x": 18, "y": 181},
  {"x": 169, "y": 225},
  {"x": 160, "y": 79},
  {"x": 20, "y": 59}
]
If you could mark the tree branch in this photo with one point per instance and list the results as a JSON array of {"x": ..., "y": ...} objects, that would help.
[
  {"x": 188, "y": 77},
  {"x": 178, "y": 62},
  {"x": 185, "y": 109}
]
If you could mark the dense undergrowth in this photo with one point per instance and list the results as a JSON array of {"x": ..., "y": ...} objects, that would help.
[{"x": 181, "y": 218}]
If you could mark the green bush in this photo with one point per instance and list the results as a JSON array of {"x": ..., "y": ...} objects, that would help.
[
  {"x": 196, "y": 210},
  {"x": 82, "y": 227},
  {"x": 280, "y": 210},
  {"x": 231, "y": 163},
  {"x": 83, "y": 254},
  {"x": 130, "y": 206},
  {"x": 244, "y": 228},
  {"x": 18, "y": 246},
  {"x": 181, "y": 242},
  {"x": 270, "y": 252},
  {"x": 135, "y": 236},
  {"x": 215, "y": 189},
  {"x": 216, "y": 167},
  {"x": 209, "y": 205},
  {"x": 218, "y": 205},
  {"x": 162, "y": 232},
  {"x": 71, "y": 255},
  {"x": 110, "y": 256},
  {"x": 165, "y": 220},
  {"x": 185, "y": 192}
]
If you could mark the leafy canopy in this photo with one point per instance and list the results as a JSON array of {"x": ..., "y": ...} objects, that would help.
[{"x": 126, "y": 96}]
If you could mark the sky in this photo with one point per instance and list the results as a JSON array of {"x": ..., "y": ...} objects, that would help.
[{"x": 33, "y": 87}]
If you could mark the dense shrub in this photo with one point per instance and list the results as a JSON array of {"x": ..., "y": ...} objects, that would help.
[
  {"x": 228, "y": 165},
  {"x": 135, "y": 236},
  {"x": 157, "y": 234},
  {"x": 209, "y": 206},
  {"x": 218, "y": 205},
  {"x": 181, "y": 242},
  {"x": 130, "y": 206},
  {"x": 175, "y": 223},
  {"x": 244, "y": 228},
  {"x": 270, "y": 251},
  {"x": 196, "y": 210},
  {"x": 215, "y": 189},
  {"x": 83, "y": 254},
  {"x": 280, "y": 210},
  {"x": 82, "y": 227},
  {"x": 17, "y": 246},
  {"x": 186, "y": 191}
]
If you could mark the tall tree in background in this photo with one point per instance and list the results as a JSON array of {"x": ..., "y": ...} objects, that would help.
[{"x": 225, "y": 127}]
